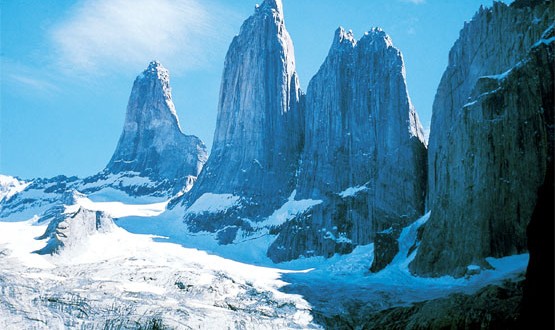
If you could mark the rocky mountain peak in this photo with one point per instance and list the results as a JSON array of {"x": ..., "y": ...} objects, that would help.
[
  {"x": 342, "y": 36},
  {"x": 156, "y": 70},
  {"x": 360, "y": 158},
  {"x": 378, "y": 37},
  {"x": 151, "y": 97},
  {"x": 258, "y": 136},
  {"x": 276, "y": 6},
  {"x": 152, "y": 142}
]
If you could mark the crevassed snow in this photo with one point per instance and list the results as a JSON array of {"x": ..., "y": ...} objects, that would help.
[
  {"x": 128, "y": 276},
  {"x": 124, "y": 279},
  {"x": 10, "y": 186},
  {"x": 213, "y": 203},
  {"x": 351, "y": 191},
  {"x": 287, "y": 211}
]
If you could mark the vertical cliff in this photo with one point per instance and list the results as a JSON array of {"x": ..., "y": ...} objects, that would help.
[
  {"x": 364, "y": 153},
  {"x": 152, "y": 143},
  {"x": 491, "y": 138},
  {"x": 258, "y": 134}
]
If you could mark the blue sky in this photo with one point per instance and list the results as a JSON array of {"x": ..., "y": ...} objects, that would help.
[{"x": 67, "y": 67}]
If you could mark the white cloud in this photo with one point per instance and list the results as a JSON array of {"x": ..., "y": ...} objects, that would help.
[{"x": 116, "y": 34}]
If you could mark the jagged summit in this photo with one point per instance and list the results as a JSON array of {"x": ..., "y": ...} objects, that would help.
[
  {"x": 155, "y": 67},
  {"x": 274, "y": 5},
  {"x": 152, "y": 142},
  {"x": 342, "y": 36},
  {"x": 376, "y": 34},
  {"x": 158, "y": 77}
]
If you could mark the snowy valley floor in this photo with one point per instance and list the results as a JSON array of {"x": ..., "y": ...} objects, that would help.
[{"x": 121, "y": 279}]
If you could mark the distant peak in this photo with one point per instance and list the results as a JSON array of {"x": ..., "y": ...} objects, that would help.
[{"x": 341, "y": 35}]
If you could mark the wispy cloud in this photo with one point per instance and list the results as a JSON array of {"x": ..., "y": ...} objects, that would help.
[
  {"x": 17, "y": 77},
  {"x": 34, "y": 83},
  {"x": 107, "y": 34}
]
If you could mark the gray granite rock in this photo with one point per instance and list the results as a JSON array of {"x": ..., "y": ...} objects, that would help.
[
  {"x": 152, "y": 142},
  {"x": 153, "y": 157},
  {"x": 491, "y": 138},
  {"x": 258, "y": 134},
  {"x": 364, "y": 152}
]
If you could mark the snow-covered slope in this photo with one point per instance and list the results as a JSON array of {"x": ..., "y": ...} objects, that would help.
[
  {"x": 111, "y": 278},
  {"x": 115, "y": 279},
  {"x": 10, "y": 186}
]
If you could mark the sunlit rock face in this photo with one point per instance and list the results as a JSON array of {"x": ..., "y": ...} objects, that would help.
[
  {"x": 364, "y": 153},
  {"x": 258, "y": 135}
]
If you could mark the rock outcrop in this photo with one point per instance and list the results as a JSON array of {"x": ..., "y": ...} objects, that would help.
[
  {"x": 364, "y": 152},
  {"x": 258, "y": 134},
  {"x": 152, "y": 143},
  {"x": 72, "y": 228},
  {"x": 491, "y": 138}
]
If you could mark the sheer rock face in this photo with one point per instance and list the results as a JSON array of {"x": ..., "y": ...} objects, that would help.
[
  {"x": 361, "y": 131},
  {"x": 258, "y": 134},
  {"x": 152, "y": 143},
  {"x": 491, "y": 138}
]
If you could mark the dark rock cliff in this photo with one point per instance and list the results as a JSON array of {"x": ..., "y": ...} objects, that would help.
[{"x": 491, "y": 138}]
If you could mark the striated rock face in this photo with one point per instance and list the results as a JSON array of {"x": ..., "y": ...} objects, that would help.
[
  {"x": 364, "y": 152},
  {"x": 491, "y": 138},
  {"x": 259, "y": 126},
  {"x": 152, "y": 143}
]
